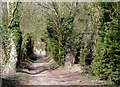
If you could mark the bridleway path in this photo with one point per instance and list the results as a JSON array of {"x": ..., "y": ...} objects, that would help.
[{"x": 39, "y": 73}]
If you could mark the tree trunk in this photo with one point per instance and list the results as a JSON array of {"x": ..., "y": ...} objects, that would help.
[
  {"x": 69, "y": 60},
  {"x": 10, "y": 67},
  {"x": 10, "y": 58}
]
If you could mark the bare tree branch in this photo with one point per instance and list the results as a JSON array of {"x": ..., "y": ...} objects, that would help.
[{"x": 11, "y": 20}]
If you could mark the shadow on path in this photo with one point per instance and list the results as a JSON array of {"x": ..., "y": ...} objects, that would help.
[
  {"x": 33, "y": 73},
  {"x": 37, "y": 68}
]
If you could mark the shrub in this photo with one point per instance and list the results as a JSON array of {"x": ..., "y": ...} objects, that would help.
[
  {"x": 27, "y": 48},
  {"x": 107, "y": 60}
]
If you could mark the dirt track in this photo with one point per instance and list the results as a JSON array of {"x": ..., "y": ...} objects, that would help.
[{"x": 40, "y": 73}]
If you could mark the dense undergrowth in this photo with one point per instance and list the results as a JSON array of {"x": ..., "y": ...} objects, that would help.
[
  {"x": 106, "y": 63},
  {"x": 27, "y": 50}
]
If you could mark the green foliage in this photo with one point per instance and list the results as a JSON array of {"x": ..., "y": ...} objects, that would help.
[
  {"x": 107, "y": 60},
  {"x": 27, "y": 49},
  {"x": 57, "y": 38},
  {"x": 88, "y": 37},
  {"x": 17, "y": 34},
  {"x": 5, "y": 34},
  {"x": 6, "y": 42},
  {"x": 86, "y": 53},
  {"x": 29, "y": 43},
  {"x": 60, "y": 33},
  {"x": 11, "y": 31}
]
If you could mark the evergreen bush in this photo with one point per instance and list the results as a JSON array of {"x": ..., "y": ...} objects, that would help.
[
  {"x": 106, "y": 63},
  {"x": 27, "y": 52}
]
